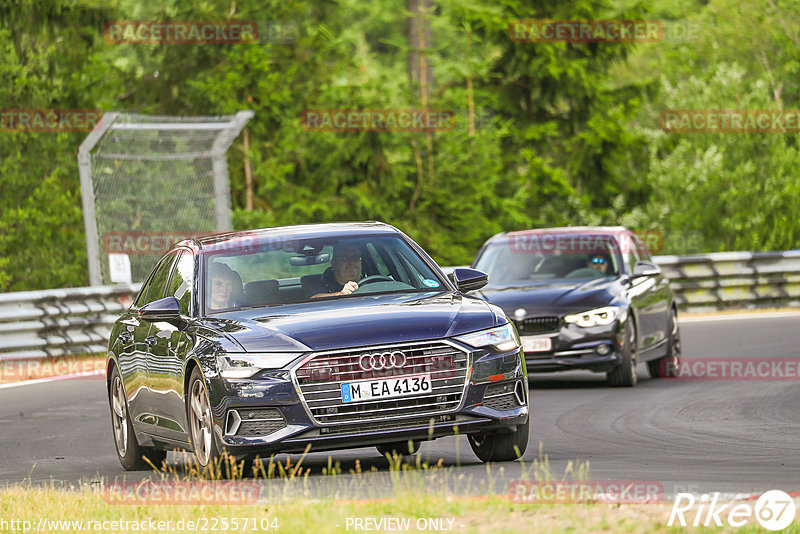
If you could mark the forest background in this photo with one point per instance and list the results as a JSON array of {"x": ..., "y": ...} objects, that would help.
[{"x": 546, "y": 134}]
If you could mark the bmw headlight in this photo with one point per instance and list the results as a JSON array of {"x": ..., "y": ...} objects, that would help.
[
  {"x": 502, "y": 338},
  {"x": 597, "y": 317},
  {"x": 245, "y": 365}
]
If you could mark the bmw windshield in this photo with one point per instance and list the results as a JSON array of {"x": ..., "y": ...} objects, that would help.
[
  {"x": 305, "y": 270},
  {"x": 543, "y": 258}
]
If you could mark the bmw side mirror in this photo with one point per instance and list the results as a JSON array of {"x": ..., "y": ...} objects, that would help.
[
  {"x": 469, "y": 279},
  {"x": 645, "y": 268},
  {"x": 167, "y": 309}
]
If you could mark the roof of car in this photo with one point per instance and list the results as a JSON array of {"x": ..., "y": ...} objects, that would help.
[
  {"x": 305, "y": 231},
  {"x": 594, "y": 230}
]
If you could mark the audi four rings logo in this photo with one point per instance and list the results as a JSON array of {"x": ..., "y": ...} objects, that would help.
[{"x": 382, "y": 360}]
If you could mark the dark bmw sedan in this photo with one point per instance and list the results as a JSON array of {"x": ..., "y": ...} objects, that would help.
[
  {"x": 584, "y": 298},
  {"x": 322, "y": 336}
]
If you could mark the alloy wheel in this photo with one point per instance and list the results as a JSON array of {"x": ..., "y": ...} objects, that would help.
[
  {"x": 120, "y": 416},
  {"x": 201, "y": 422},
  {"x": 632, "y": 341}
]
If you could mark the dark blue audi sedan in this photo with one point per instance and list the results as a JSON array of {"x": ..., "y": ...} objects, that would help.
[{"x": 329, "y": 336}]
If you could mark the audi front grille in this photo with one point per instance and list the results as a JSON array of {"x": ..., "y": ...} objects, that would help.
[{"x": 319, "y": 379}]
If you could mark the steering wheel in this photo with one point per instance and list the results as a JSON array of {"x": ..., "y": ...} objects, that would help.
[{"x": 373, "y": 278}]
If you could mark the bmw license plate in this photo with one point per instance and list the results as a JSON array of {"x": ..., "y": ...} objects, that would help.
[
  {"x": 385, "y": 388},
  {"x": 537, "y": 344}
]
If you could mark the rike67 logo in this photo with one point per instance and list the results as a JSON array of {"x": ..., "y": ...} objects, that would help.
[{"x": 774, "y": 510}]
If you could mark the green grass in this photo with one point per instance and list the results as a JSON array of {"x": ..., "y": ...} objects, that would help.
[
  {"x": 420, "y": 490},
  {"x": 494, "y": 514}
]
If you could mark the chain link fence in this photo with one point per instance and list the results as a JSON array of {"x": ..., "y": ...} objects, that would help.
[{"x": 149, "y": 181}]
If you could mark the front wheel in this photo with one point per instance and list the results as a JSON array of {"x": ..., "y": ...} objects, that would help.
[
  {"x": 200, "y": 422},
  {"x": 501, "y": 447},
  {"x": 667, "y": 366},
  {"x": 132, "y": 456},
  {"x": 624, "y": 374}
]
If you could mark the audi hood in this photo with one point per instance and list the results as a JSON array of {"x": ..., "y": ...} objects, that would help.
[{"x": 357, "y": 321}]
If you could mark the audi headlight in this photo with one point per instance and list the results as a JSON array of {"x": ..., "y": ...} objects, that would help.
[
  {"x": 597, "y": 317},
  {"x": 245, "y": 365},
  {"x": 503, "y": 338}
]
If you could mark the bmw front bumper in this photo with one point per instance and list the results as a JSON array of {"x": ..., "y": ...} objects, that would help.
[{"x": 595, "y": 349}]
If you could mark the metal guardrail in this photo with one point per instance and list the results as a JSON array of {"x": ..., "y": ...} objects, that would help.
[
  {"x": 710, "y": 282},
  {"x": 54, "y": 322}
]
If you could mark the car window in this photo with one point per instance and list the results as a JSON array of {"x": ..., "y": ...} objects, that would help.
[
  {"x": 141, "y": 299},
  {"x": 304, "y": 270},
  {"x": 410, "y": 265},
  {"x": 380, "y": 264},
  {"x": 632, "y": 251},
  {"x": 159, "y": 282},
  {"x": 539, "y": 258},
  {"x": 181, "y": 285},
  {"x": 644, "y": 254}
]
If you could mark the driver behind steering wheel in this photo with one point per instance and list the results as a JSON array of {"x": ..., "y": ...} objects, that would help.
[{"x": 340, "y": 278}]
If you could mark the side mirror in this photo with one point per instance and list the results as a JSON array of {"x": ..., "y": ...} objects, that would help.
[
  {"x": 468, "y": 279},
  {"x": 167, "y": 309},
  {"x": 645, "y": 268}
]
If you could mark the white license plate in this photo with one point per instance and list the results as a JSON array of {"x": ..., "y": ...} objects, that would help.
[
  {"x": 537, "y": 344},
  {"x": 386, "y": 388}
]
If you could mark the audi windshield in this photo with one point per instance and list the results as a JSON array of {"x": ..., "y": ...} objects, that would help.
[{"x": 274, "y": 274}]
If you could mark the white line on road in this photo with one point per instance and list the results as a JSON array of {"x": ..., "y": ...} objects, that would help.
[
  {"x": 52, "y": 379},
  {"x": 738, "y": 316}
]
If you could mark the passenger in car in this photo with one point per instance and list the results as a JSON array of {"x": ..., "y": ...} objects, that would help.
[
  {"x": 223, "y": 285},
  {"x": 340, "y": 278}
]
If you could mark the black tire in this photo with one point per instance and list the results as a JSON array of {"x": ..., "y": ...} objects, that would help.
[
  {"x": 501, "y": 446},
  {"x": 624, "y": 374},
  {"x": 201, "y": 431},
  {"x": 667, "y": 366},
  {"x": 132, "y": 456},
  {"x": 399, "y": 448}
]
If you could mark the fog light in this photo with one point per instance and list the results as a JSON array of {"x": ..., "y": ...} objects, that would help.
[
  {"x": 602, "y": 350},
  {"x": 232, "y": 422},
  {"x": 519, "y": 393}
]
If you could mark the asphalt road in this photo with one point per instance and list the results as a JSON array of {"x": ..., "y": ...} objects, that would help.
[{"x": 697, "y": 436}]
